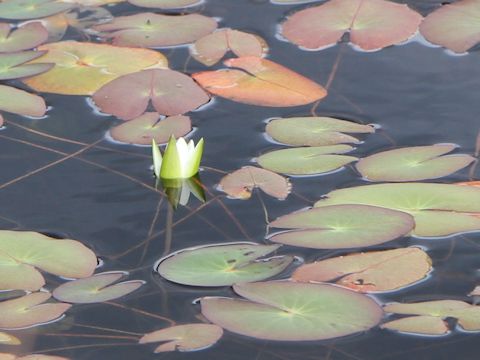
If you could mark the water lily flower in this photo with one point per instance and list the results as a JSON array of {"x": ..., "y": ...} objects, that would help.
[{"x": 180, "y": 160}]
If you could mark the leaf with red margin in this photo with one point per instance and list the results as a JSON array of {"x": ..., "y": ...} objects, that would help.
[
  {"x": 262, "y": 82},
  {"x": 23, "y": 37}
]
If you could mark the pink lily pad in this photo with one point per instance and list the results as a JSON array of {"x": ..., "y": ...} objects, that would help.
[{"x": 23, "y": 37}]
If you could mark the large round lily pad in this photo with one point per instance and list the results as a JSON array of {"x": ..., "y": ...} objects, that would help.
[
  {"x": 220, "y": 265},
  {"x": 288, "y": 311}
]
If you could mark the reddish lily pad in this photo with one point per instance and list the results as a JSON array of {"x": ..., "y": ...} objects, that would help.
[
  {"x": 171, "y": 93},
  {"x": 424, "y": 325},
  {"x": 454, "y": 26},
  {"x": 190, "y": 337},
  {"x": 212, "y": 48},
  {"x": 148, "y": 126},
  {"x": 96, "y": 288},
  {"x": 287, "y": 311},
  {"x": 342, "y": 226},
  {"x": 221, "y": 265},
  {"x": 56, "y": 26},
  {"x": 24, "y": 37},
  {"x": 371, "y": 24},
  {"x": 374, "y": 271},
  {"x": 315, "y": 131},
  {"x": 13, "y": 65},
  {"x": 413, "y": 163},
  {"x": 81, "y": 68},
  {"x": 22, "y": 252},
  {"x": 21, "y": 102},
  {"x": 240, "y": 183},
  {"x": 30, "y": 310},
  {"x": 164, "y": 4},
  {"x": 155, "y": 30},
  {"x": 31, "y": 9},
  {"x": 262, "y": 82}
]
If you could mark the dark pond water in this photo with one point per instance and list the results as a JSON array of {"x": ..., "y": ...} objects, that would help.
[{"x": 418, "y": 94}]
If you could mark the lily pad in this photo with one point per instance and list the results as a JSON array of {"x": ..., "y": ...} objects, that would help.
[
  {"x": 374, "y": 271},
  {"x": 222, "y": 265},
  {"x": 8, "y": 339},
  {"x": 413, "y": 163},
  {"x": 287, "y": 311},
  {"x": 30, "y": 310},
  {"x": 13, "y": 65},
  {"x": 371, "y": 24},
  {"x": 190, "y": 337},
  {"x": 306, "y": 160},
  {"x": 454, "y": 26},
  {"x": 21, "y": 102},
  {"x": 315, "y": 131},
  {"x": 212, "y": 48},
  {"x": 4, "y": 356},
  {"x": 424, "y": 325},
  {"x": 31, "y": 9},
  {"x": 148, "y": 126},
  {"x": 22, "y": 252},
  {"x": 262, "y": 82},
  {"x": 240, "y": 183},
  {"x": 81, "y": 68},
  {"x": 342, "y": 226},
  {"x": 164, "y": 4},
  {"x": 439, "y": 209},
  {"x": 155, "y": 30},
  {"x": 23, "y": 37},
  {"x": 171, "y": 93}
]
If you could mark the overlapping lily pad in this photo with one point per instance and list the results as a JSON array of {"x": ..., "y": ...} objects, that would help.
[
  {"x": 8, "y": 339},
  {"x": 24, "y": 37},
  {"x": 315, "y": 131},
  {"x": 97, "y": 288},
  {"x": 287, "y": 311},
  {"x": 221, "y": 265},
  {"x": 262, "y": 82},
  {"x": 164, "y": 4},
  {"x": 307, "y": 160},
  {"x": 374, "y": 271},
  {"x": 4, "y": 356},
  {"x": 189, "y": 337},
  {"x": 342, "y": 226},
  {"x": 212, "y": 48},
  {"x": 21, "y": 102},
  {"x": 30, "y": 310},
  {"x": 423, "y": 325},
  {"x": 22, "y": 252},
  {"x": 240, "y": 183},
  {"x": 371, "y": 24},
  {"x": 155, "y": 30},
  {"x": 439, "y": 209},
  {"x": 171, "y": 93},
  {"x": 13, "y": 65},
  {"x": 31, "y": 9},
  {"x": 81, "y": 68},
  {"x": 413, "y": 163}
]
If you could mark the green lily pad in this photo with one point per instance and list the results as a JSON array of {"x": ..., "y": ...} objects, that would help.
[
  {"x": 342, "y": 226},
  {"x": 23, "y": 37},
  {"x": 164, "y": 4},
  {"x": 21, "y": 102},
  {"x": 315, "y": 131},
  {"x": 12, "y": 65},
  {"x": 306, "y": 160},
  {"x": 423, "y": 325},
  {"x": 96, "y": 288},
  {"x": 31, "y": 9},
  {"x": 221, "y": 265},
  {"x": 288, "y": 311},
  {"x": 8, "y": 339},
  {"x": 438, "y": 209},
  {"x": 413, "y": 163}
]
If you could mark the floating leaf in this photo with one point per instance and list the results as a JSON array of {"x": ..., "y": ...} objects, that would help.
[
  {"x": 413, "y": 163},
  {"x": 164, "y": 4},
  {"x": 212, "y": 48},
  {"x": 438, "y": 209},
  {"x": 240, "y": 183},
  {"x": 287, "y": 311},
  {"x": 8, "y": 339},
  {"x": 24, "y": 37},
  {"x": 373, "y": 271},
  {"x": 30, "y": 310},
  {"x": 454, "y": 26},
  {"x": 476, "y": 291},
  {"x": 190, "y": 337},
  {"x": 262, "y": 82},
  {"x": 4, "y": 356},
  {"x": 221, "y": 265},
  {"x": 31, "y": 9},
  {"x": 96, "y": 288},
  {"x": 22, "y": 251},
  {"x": 306, "y": 160},
  {"x": 425, "y": 325},
  {"x": 171, "y": 93},
  {"x": 93, "y": 2},
  {"x": 315, "y": 131},
  {"x": 371, "y": 24},
  {"x": 21, "y": 102},
  {"x": 342, "y": 226},
  {"x": 148, "y": 126},
  {"x": 83, "y": 68},
  {"x": 56, "y": 26},
  {"x": 12, "y": 65},
  {"x": 155, "y": 30}
]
